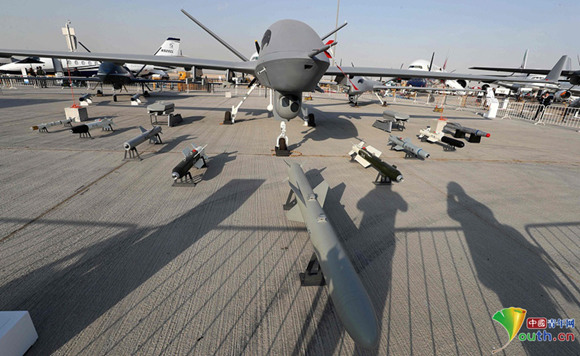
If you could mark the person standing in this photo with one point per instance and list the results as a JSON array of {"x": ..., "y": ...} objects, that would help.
[
  {"x": 545, "y": 100},
  {"x": 42, "y": 81},
  {"x": 31, "y": 76}
]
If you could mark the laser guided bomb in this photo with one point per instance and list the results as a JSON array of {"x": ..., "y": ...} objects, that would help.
[
  {"x": 193, "y": 157},
  {"x": 437, "y": 134},
  {"x": 83, "y": 130},
  {"x": 44, "y": 127},
  {"x": 459, "y": 131},
  {"x": 400, "y": 144},
  {"x": 351, "y": 300},
  {"x": 369, "y": 156},
  {"x": 151, "y": 135}
]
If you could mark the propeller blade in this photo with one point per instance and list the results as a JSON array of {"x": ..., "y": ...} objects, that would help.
[{"x": 257, "y": 46}]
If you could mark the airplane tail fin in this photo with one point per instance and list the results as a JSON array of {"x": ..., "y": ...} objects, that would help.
[
  {"x": 171, "y": 47},
  {"x": 525, "y": 60},
  {"x": 555, "y": 73}
]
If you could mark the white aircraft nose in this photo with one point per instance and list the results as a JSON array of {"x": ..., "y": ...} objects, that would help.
[{"x": 8, "y": 67}]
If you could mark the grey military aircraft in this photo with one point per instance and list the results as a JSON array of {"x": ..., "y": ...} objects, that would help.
[
  {"x": 292, "y": 60},
  {"x": 562, "y": 90},
  {"x": 356, "y": 86}
]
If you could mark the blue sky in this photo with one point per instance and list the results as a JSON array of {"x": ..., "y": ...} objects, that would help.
[{"x": 380, "y": 33}]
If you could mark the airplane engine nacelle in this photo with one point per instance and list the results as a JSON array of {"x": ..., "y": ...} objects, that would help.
[
  {"x": 462, "y": 82},
  {"x": 288, "y": 105},
  {"x": 562, "y": 95},
  {"x": 515, "y": 88},
  {"x": 575, "y": 78}
]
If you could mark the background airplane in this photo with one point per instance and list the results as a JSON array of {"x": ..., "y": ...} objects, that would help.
[
  {"x": 170, "y": 47},
  {"x": 292, "y": 60},
  {"x": 563, "y": 90}
]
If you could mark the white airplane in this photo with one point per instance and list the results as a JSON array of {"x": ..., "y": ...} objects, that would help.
[
  {"x": 422, "y": 64},
  {"x": 171, "y": 47}
]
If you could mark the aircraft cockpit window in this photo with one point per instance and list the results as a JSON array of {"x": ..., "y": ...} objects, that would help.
[
  {"x": 266, "y": 38},
  {"x": 361, "y": 80}
]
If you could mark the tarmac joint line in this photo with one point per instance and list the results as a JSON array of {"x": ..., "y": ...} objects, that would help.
[{"x": 79, "y": 191}]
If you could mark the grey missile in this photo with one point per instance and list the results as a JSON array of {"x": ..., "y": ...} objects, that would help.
[
  {"x": 348, "y": 294},
  {"x": 193, "y": 157},
  {"x": 151, "y": 135},
  {"x": 104, "y": 124},
  {"x": 459, "y": 131},
  {"x": 44, "y": 127},
  {"x": 400, "y": 144}
]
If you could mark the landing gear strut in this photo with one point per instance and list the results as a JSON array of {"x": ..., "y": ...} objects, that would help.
[
  {"x": 281, "y": 147},
  {"x": 230, "y": 116},
  {"x": 308, "y": 118}
]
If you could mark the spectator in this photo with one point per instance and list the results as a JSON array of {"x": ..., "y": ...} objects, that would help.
[
  {"x": 40, "y": 72},
  {"x": 545, "y": 100},
  {"x": 31, "y": 74}
]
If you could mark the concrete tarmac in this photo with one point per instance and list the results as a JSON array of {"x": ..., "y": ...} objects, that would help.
[{"x": 110, "y": 259}]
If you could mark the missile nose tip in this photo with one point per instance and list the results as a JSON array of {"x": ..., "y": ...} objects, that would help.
[
  {"x": 368, "y": 340},
  {"x": 399, "y": 178},
  {"x": 175, "y": 175},
  {"x": 487, "y": 135}
]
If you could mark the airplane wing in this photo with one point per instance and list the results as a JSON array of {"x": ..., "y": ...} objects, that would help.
[
  {"x": 407, "y": 73},
  {"x": 565, "y": 73},
  {"x": 381, "y": 87},
  {"x": 178, "y": 61},
  {"x": 429, "y": 88},
  {"x": 64, "y": 78}
]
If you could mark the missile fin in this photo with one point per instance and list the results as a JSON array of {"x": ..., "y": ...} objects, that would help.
[
  {"x": 294, "y": 214},
  {"x": 298, "y": 192},
  {"x": 362, "y": 161},
  {"x": 374, "y": 151},
  {"x": 320, "y": 192},
  {"x": 398, "y": 148},
  {"x": 142, "y": 129},
  {"x": 198, "y": 164},
  {"x": 186, "y": 152}
]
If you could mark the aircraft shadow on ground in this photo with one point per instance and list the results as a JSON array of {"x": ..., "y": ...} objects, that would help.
[
  {"x": 11, "y": 101},
  {"x": 98, "y": 277},
  {"x": 438, "y": 115},
  {"x": 334, "y": 127}
]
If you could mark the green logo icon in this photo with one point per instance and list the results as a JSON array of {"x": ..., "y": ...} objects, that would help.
[{"x": 511, "y": 319}]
